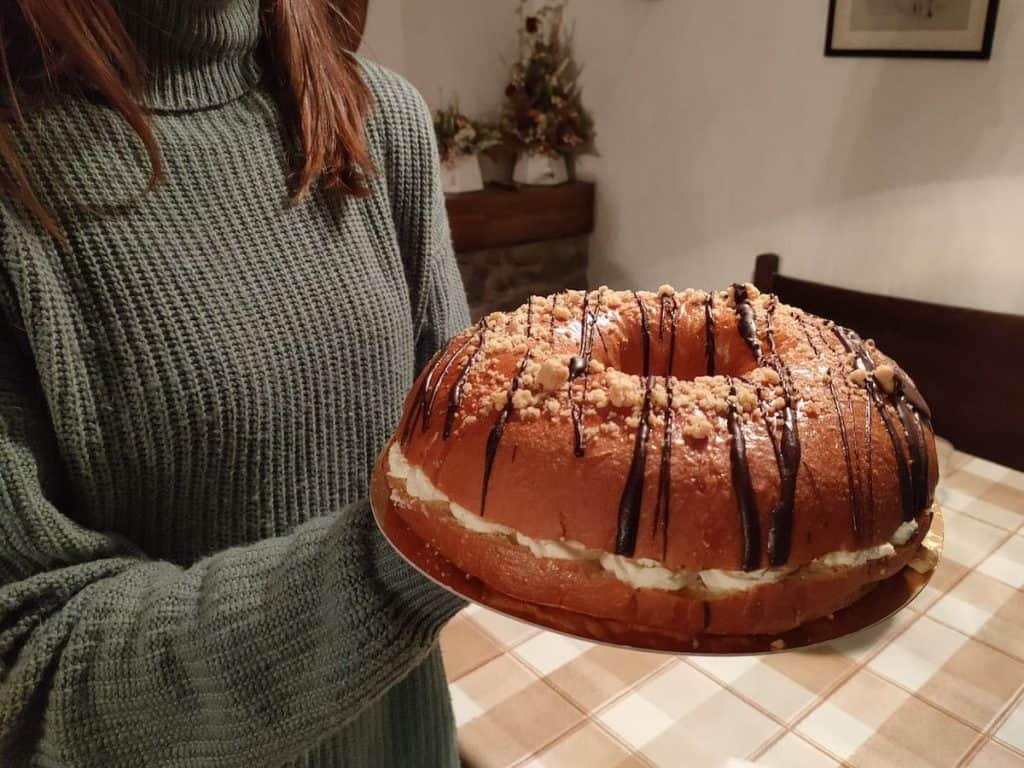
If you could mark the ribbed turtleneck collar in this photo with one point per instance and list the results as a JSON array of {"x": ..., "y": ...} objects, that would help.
[{"x": 198, "y": 53}]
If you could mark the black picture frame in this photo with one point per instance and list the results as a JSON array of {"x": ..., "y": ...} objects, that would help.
[{"x": 984, "y": 53}]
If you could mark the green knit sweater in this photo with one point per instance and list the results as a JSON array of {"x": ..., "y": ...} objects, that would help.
[{"x": 192, "y": 394}]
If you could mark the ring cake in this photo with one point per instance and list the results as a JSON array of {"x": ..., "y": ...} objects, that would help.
[{"x": 681, "y": 462}]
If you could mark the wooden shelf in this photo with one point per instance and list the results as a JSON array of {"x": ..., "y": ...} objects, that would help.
[{"x": 501, "y": 216}]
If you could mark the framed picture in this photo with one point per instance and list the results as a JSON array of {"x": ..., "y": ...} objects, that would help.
[{"x": 942, "y": 29}]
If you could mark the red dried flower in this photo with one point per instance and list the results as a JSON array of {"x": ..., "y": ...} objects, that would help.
[
  {"x": 532, "y": 25},
  {"x": 510, "y": 90}
]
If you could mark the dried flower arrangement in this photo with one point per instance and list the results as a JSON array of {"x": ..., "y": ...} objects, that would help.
[
  {"x": 543, "y": 111},
  {"x": 458, "y": 135}
]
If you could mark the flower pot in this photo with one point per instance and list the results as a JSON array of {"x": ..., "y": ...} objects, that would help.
[
  {"x": 463, "y": 175},
  {"x": 540, "y": 169}
]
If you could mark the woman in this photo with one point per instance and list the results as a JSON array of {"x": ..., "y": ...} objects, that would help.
[{"x": 195, "y": 380}]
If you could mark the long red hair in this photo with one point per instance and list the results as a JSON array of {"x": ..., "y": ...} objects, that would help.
[{"x": 52, "y": 47}]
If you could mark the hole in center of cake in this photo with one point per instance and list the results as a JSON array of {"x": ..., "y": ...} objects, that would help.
[{"x": 687, "y": 356}]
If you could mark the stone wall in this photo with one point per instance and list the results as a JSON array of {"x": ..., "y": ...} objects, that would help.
[{"x": 501, "y": 279}]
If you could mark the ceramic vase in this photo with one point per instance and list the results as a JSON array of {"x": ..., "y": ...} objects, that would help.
[
  {"x": 463, "y": 175},
  {"x": 542, "y": 169}
]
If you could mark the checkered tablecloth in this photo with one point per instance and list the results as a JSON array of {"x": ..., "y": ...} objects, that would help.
[{"x": 939, "y": 684}]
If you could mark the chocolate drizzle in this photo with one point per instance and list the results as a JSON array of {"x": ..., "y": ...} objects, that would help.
[
  {"x": 787, "y": 447},
  {"x": 426, "y": 393},
  {"x": 851, "y": 486},
  {"x": 709, "y": 334},
  {"x": 663, "y": 501},
  {"x": 645, "y": 331},
  {"x": 455, "y": 393},
  {"x": 633, "y": 492},
  {"x": 763, "y": 405},
  {"x": 866, "y": 524},
  {"x": 498, "y": 430},
  {"x": 579, "y": 440},
  {"x": 579, "y": 365},
  {"x": 780, "y": 534},
  {"x": 913, "y": 476},
  {"x": 913, "y": 396},
  {"x": 869, "y": 458},
  {"x": 588, "y": 322},
  {"x": 914, "y": 435},
  {"x": 429, "y": 409},
  {"x": 749, "y": 523},
  {"x": 419, "y": 400},
  {"x": 493, "y": 441},
  {"x": 747, "y": 319}
]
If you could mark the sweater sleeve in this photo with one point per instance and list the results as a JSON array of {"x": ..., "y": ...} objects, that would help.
[
  {"x": 108, "y": 658},
  {"x": 245, "y": 658}
]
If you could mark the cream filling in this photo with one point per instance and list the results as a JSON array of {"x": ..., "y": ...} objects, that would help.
[
  {"x": 638, "y": 572},
  {"x": 904, "y": 533}
]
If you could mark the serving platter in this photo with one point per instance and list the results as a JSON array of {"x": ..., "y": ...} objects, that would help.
[{"x": 885, "y": 600}]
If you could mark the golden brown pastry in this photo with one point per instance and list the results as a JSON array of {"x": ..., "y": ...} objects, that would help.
[{"x": 688, "y": 462}]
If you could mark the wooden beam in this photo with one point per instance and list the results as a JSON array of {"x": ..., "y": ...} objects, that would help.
[{"x": 500, "y": 216}]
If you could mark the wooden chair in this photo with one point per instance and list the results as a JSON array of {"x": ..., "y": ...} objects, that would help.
[{"x": 968, "y": 363}]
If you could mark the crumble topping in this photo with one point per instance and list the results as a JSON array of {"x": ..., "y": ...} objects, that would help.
[
  {"x": 857, "y": 377},
  {"x": 538, "y": 341},
  {"x": 624, "y": 390},
  {"x": 886, "y": 377},
  {"x": 698, "y": 427},
  {"x": 597, "y": 397},
  {"x": 553, "y": 373}
]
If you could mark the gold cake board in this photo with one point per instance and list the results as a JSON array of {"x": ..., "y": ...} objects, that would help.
[{"x": 885, "y": 600}]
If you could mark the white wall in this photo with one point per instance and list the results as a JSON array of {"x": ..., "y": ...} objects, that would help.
[
  {"x": 383, "y": 40},
  {"x": 724, "y": 131},
  {"x": 460, "y": 48}
]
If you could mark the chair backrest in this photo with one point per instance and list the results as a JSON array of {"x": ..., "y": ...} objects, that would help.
[{"x": 968, "y": 363}]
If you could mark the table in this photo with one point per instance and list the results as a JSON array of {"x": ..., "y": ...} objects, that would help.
[{"x": 939, "y": 684}]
